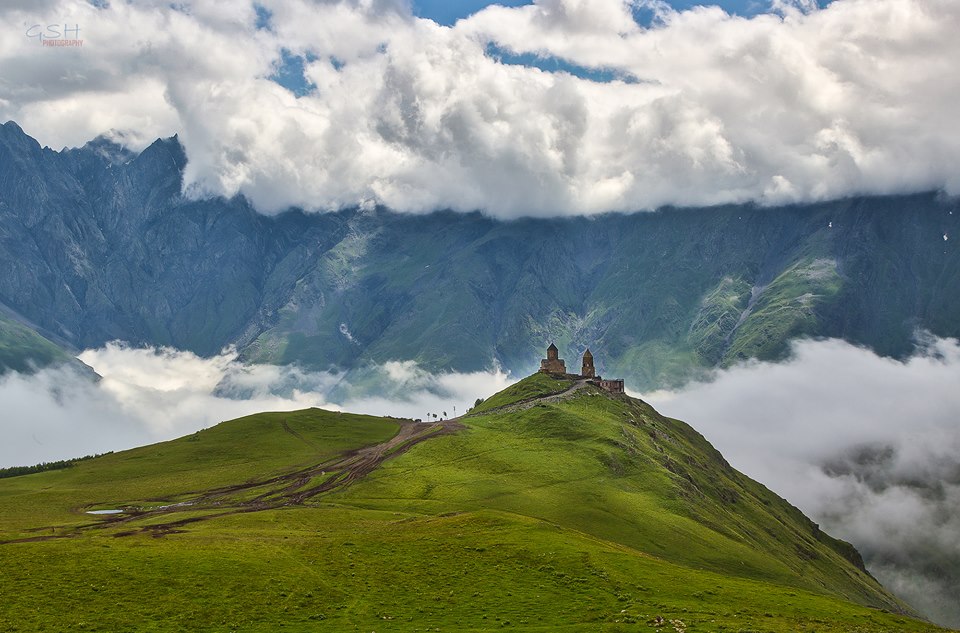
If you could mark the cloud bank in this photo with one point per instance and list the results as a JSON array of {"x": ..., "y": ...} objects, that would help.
[
  {"x": 867, "y": 446},
  {"x": 794, "y": 105},
  {"x": 149, "y": 395}
]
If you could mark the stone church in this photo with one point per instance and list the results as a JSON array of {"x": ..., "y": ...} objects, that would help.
[{"x": 554, "y": 365}]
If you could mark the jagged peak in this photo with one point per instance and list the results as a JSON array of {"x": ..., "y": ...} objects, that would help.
[
  {"x": 164, "y": 149},
  {"x": 13, "y": 132},
  {"x": 13, "y": 127},
  {"x": 110, "y": 146}
]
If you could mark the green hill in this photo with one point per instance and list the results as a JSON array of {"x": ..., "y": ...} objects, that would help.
[
  {"x": 24, "y": 350},
  {"x": 557, "y": 508}
]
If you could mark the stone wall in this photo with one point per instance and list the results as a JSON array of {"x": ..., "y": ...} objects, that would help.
[
  {"x": 553, "y": 366},
  {"x": 613, "y": 386}
]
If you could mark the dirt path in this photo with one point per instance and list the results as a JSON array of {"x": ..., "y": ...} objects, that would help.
[
  {"x": 288, "y": 489},
  {"x": 522, "y": 405}
]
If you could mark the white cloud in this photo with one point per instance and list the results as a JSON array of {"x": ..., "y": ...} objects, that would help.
[
  {"x": 148, "y": 395},
  {"x": 145, "y": 396},
  {"x": 867, "y": 446},
  {"x": 798, "y": 105}
]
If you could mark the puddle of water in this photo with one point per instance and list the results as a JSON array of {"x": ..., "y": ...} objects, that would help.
[{"x": 104, "y": 511}]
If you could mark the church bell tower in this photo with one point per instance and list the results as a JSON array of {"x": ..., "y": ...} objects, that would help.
[{"x": 587, "y": 371}]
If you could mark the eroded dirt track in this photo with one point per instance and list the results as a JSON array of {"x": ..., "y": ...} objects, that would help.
[
  {"x": 288, "y": 489},
  {"x": 529, "y": 403}
]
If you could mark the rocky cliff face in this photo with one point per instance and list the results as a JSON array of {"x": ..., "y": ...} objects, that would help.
[{"x": 99, "y": 244}]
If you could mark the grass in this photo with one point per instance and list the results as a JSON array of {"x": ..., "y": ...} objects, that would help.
[
  {"x": 254, "y": 446},
  {"x": 333, "y": 569},
  {"x": 786, "y": 309},
  {"x": 24, "y": 350},
  {"x": 717, "y": 318},
  {"x": 617, "y": 470},
  {"x": 593, "y": 514},
  {"x": 531, "y": 387}
]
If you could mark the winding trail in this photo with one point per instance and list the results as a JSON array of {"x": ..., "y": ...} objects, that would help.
[
  {"x": 522, "y": 405},
  {"x": 289, "y": 489},
  {"x": 293, "y": 488}
]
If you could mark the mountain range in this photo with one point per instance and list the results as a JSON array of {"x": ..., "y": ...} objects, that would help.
[{"x": 101, "y": 243}]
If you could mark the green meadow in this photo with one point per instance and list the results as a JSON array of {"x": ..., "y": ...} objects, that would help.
[{"x": 593, "y": 513}]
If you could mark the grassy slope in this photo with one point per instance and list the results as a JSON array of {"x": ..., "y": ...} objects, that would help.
[
  {"x": 786, "y": 309},
  {"x": 559, "y": 518},
  {"x": 530, "y": 387},
  {"x": 253, "y": 446},
  {"x": 616, "y": 469},
  {"x": 23, "y": 350}
]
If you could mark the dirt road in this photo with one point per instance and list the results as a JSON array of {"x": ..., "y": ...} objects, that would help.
[
  {"x": 288, "y": 489},
  {"x": 522, "y": 405}
]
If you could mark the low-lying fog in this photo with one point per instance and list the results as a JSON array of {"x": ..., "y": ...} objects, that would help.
[
  {"x": 866, "y": 446},
  {"x": 148, "y": 395}
]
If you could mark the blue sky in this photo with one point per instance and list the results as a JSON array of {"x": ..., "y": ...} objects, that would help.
[{"x": 449, "y": 11}]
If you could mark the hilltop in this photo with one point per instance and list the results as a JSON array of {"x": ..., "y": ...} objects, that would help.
[{"x": 553, "y": 506}]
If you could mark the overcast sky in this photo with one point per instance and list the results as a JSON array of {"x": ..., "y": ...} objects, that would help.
[{"x": 326, "y": 104}]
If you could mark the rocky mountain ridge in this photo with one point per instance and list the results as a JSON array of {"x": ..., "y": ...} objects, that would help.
[{"x": 99, "y": 243}]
